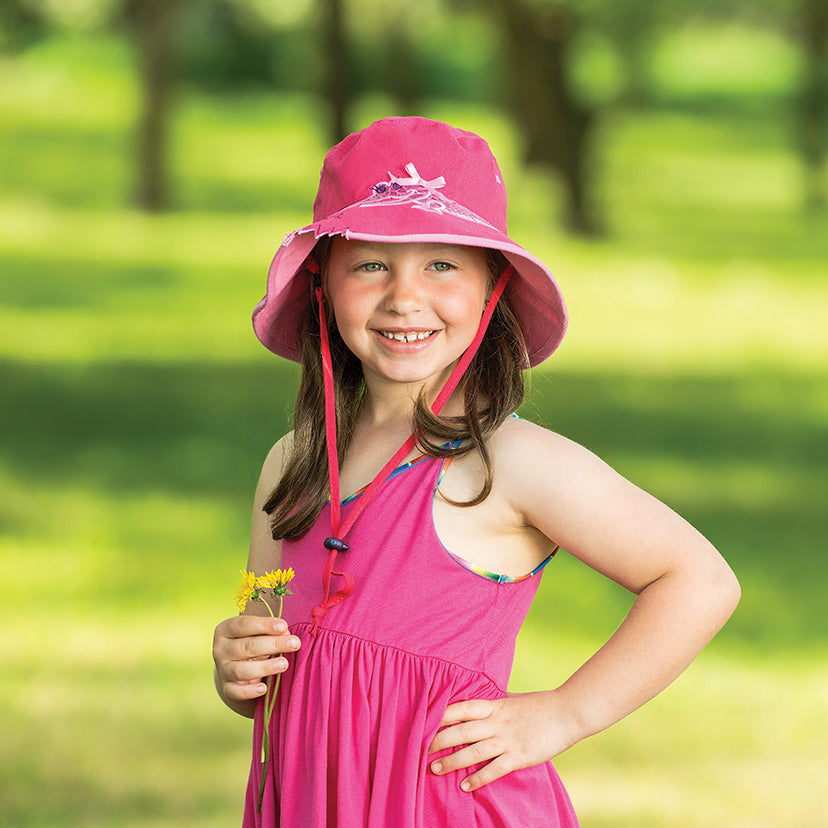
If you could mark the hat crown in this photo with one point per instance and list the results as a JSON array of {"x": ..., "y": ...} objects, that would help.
[{"x": 452, "y": 163}]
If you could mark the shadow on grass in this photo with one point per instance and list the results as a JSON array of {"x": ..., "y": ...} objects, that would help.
[
  {"x": 189, "y": 428},
  {"x": 29, "y": 284},
  {"x": 700, "y": 443}
]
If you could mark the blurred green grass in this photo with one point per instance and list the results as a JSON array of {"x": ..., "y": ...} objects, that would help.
[{"x": 137, "y": 407}]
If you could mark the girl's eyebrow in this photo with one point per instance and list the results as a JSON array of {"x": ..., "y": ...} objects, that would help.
[{"x": 360, "y": 249}]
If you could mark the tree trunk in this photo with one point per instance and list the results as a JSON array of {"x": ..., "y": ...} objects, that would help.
[
  {"x": 401, "y": 77},
  {"x": 337, "y": 75},
  {"x": 556, "y": 127},
  {"x": 813, "y": 100},
  {"x": 152, "y": 27}
]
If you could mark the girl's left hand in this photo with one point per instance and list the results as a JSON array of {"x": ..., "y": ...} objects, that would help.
[{"x": 515, "y": 732}]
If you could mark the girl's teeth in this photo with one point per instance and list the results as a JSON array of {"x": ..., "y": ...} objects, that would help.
[{"x": 412, "y": 337}]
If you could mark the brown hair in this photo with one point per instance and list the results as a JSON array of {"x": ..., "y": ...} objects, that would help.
[{"x": 492, "y": 390}]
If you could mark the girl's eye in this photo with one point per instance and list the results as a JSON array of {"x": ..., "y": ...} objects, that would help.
[
  {"x": 371, "y": 267},
  {"x": 442, "y": 267}
]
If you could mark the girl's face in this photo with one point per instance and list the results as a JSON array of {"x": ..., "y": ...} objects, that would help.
[{"x": 407, "y": 311}]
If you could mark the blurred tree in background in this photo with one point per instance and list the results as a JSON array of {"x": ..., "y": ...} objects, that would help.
[
  {"x": 337, "y": 87},
  {"x": 813, "y": 99},
  {"x": 149, "y": 24},
  {"x": 527, "y": 57},
  {"x": 555, "y": 123}
]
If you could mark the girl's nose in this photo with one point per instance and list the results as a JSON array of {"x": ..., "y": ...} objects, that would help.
[{"x": 405, "y": 291}]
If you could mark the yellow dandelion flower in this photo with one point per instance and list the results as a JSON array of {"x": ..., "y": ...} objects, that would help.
[
  {"x": 247, "y": 591},
  {"x": 276, "y": 580}
]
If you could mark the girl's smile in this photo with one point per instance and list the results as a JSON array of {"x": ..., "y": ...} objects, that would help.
[
  {"x": 407, "y": 311},
  {"x": 407, "y": 337}
]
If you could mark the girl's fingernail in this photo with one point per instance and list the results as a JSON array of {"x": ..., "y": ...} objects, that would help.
[
  {"x": 280, "y": 627},
  {"x": 436, "y": 767},
  {"x": 465, "y": 785},
  {"x": 281, "y": 663}
]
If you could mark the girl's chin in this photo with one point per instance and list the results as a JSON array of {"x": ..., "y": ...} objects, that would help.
[{"x": 410, "y": 374}]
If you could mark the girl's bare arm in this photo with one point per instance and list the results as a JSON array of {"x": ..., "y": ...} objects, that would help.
[{"x": 685, "y": 592}]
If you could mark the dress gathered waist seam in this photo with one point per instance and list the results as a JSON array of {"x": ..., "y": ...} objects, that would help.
[{"x": 454, "y": 665}]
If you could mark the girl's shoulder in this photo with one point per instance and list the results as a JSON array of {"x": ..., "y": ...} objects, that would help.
[
  {"x": 533, "y": 463},
  {"x": 519, "y": 443}
]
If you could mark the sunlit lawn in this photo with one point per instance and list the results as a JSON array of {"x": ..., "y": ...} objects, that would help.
[{"x": 137, "y": 407}]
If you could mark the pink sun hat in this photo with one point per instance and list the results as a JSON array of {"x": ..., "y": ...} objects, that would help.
[{"x": 410, "y": 180}]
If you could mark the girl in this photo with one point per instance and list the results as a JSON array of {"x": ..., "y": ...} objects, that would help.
[{"x": 413, "y": 314}]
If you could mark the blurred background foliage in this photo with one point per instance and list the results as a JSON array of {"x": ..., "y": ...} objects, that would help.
[{"x": 668, "y": 162}]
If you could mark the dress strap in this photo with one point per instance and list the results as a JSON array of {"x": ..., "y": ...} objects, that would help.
[{"x": 444, "y": 466}]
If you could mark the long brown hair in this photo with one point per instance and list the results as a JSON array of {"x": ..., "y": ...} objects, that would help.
[{"x": 492, "y": 390}]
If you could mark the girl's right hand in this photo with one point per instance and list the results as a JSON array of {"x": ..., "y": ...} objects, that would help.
[{"x": 243, "y": 650}]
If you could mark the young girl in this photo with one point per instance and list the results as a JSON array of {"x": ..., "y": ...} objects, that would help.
[{"x": 413, "y": 315}]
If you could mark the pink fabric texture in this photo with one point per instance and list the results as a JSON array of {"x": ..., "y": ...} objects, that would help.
[
  {"x": 410, "y": 180},
  {"x": 361, "y": 701}
]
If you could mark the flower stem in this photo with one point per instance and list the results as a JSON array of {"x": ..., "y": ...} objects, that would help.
[
  {"x": 270, "y": 702},
  {"x": 278, "y": 678},
  {"x": 265, "y": 736}
]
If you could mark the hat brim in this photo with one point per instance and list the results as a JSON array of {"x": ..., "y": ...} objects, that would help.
[{"x": 533, "y": 292}]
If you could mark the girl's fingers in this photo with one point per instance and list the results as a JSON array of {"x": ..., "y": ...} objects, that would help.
[
  {"x": 247, "y": 649},
  {"x": 463, "y": 723},
  {"x": 474, "y": 754},
  {"x": 487, "y": 753},
  {"x": 244, "y": 690},
  {"x": 488, "y": 773},
  {"x": 246, "y": 671},
  {"x": 257, "y": 646},
  {"x": 246, "y": 637},
  {"x": 262, "y": 646},
  {"x": 242, "y": 626},
  {"x": 506, "y": 739},
  {"x": 461, "y": 734},
  {"x": 465, "y": 711},
  {"x": 474, "y": 727}
]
